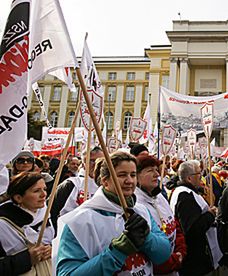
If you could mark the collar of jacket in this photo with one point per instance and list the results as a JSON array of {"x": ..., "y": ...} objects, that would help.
[
  {"x": 153, "y": 193},
  {"x": 190, "y": 186},
  {"x": 130, "y": 200},
  {"x": 15, "y": 214}
]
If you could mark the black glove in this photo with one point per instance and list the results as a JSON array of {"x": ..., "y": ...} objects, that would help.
[{"x": 137, "y": 229}]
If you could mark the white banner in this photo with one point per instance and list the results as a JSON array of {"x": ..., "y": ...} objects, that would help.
[
  {"x": 56, "y": 134},
  {"x": 35, "y": 42},
  {"x": 13, "y": 81},
  {"x": 183, "y": 112}
]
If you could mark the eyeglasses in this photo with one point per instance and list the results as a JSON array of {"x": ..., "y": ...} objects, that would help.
[
  {"x": 196, "y": 173},
  {"x": 21, "y": 160}
]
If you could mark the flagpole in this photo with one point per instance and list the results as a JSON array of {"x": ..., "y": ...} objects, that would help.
[
  {"x": 61, "y": 164},
  {"x": 87, "y": 161},
  {"x": 99, "y": 135},
  {"x": 159, "y": 120}
]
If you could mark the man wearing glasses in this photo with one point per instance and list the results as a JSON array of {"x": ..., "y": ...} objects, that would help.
[{"x": 197, "y": 222}]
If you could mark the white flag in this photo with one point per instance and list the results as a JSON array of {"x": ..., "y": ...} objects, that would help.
[
  {"x": 40, "y": 44},
  {"x": 64, "y": 74},
  {"x": 89, "y": 71},
  {"x": 148, "y": 131},
  {"x": 39, "y": 97}
]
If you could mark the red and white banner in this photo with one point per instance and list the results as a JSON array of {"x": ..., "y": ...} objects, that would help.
[
  {"x": 137, "y": 128},
  {"x": 35, "y": 42},
  {"x": 168, "y": 138},
  {"x": 183, "y": 112},
  {"x": 191, "y": 138},
  {"x": 55, "y": 135},
  {"x": 113, "y": 144},
  {"x": 97, "y": 104},
  {"x": 207, "y": 115}
]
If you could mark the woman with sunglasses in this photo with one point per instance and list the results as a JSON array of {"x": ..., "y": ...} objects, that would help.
[
  {"x": 23, "y": 162},
  {"x": 97, "y": 238},
  {"x": 20, "y": 222}
]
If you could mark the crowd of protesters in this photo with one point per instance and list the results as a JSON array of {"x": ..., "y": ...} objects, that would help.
[{"x": 173, "y": 225}]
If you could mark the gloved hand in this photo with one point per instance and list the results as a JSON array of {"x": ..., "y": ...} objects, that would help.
[
  {"x": 124, "y": 244},
  {"x": 136, "y": 229}
]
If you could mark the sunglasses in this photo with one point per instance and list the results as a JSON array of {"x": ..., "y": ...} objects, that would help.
[{"x": 21, "y": 160}]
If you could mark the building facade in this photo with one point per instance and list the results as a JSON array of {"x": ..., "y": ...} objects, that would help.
[{"x": 195, "y": 63}]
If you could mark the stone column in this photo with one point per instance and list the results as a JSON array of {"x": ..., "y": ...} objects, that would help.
[
  {"x": 63, "y": 106},
  {"x": 138, "y": 100},
  {"x": 225, "y": 133},
  {"x": 184, "y": 76},
  {"x": 154, "y": 90},
  {"x": 226, "y": 74},
  {"x": 173, "y": 74},
  {"x": 46, "y": 99},
  {"x": 119, "y": 104}
]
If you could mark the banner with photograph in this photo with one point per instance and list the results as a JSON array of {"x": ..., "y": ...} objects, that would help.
[{"x": 183, "y": 112}]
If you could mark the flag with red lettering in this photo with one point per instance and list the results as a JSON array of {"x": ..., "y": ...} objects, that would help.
[{"x": 35, "y": 42}]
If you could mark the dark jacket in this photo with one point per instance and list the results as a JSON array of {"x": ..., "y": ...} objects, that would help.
[
  {"x": 222, "y": 219},
  {"x": 63, "y": 192},
  {"x": 194, "y": 224}
]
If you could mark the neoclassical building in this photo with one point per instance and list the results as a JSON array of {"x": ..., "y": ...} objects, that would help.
[{"x": 195, "y": 63}]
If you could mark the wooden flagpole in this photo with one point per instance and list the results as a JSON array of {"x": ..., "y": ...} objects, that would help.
[
  {"x": 52, "y": 195},
  {"x": 163, "y": 170},
  {"x": 209, "y": 168},
  {"x": 87, "y": 161},
  {"x": 99, "y": 135}
]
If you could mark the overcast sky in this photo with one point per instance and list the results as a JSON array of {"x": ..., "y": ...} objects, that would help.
[{"x": 127, "y": 27}]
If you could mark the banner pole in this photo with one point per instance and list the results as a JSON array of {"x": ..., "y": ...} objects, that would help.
[
  {"x": 159, "y": 120},
  {"x": 52, "y": 195},
  {"x": 99, "y": 135},
  {"x": 87, "y": 161}
]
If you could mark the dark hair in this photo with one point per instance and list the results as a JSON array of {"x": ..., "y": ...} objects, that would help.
[
  {"x": 116, "y": 158},
  {"x": 39, "y": 162},
  {"x": 176, "y": 165},
  {"x": 45, "y": 157},
  {"x": 22, "y": 182},
  {"x": 137, "y": 149},
  {"x": 146, "y": 161}
]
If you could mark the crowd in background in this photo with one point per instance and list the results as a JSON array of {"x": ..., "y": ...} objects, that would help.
[{"x": 177, "y": 228}]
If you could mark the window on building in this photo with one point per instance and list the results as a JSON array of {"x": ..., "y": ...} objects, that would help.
[
  {"x": 74, "y": 95},
  {"x": 165, "y": 81},
  {"x": 70, "y": 118},
  {"x": 127, "y": 119},
  {"x": 130, "y": 93},
  {"x": 36, "y": 116},
  {"x": 56, "y": 94},
  {"x": 54, "y": 119},
  {"x": 109, "y": 120},
  {"x": 111, "y": 94},
  {"x": 147, "y": 76},
  {"x": 146, "y": 89},
  {"x": 131, "y": 76},
  {"x": 112, "y": 75}
]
